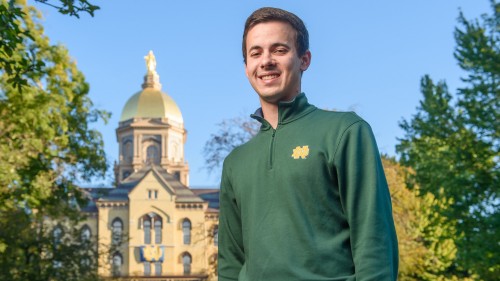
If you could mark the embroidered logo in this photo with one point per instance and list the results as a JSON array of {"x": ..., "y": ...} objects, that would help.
[{"x": 300, "y": 152}]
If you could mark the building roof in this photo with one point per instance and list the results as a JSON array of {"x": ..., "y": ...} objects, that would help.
[
  {"x": 151, "y": 103},
  {"x": 183, "y": 194},
  {"x": 93, "y": 194},
  {"x": 209, "y": 194}
]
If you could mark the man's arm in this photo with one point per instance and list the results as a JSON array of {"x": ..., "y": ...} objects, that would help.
[
  {"x": 231, "y": 254},
  {"x": 367, "y": 204}
]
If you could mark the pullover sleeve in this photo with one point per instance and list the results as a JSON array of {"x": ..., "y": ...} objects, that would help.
[
  {"x": 367, "y": 204},
  {"x": 231, "y": 253}
]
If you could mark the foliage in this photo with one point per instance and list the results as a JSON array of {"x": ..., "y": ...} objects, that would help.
[
  {"x": 478, "y": 53},
  {"x": 426, "y": 251},
  {"x": 454, "y": 147},
  {"x": 46, "y": 144},
  {"x": 49, "y": 253},
  {"x": 232, "y": 133},
  {"x": 14, "y": 32},
  {"x": 72, "y": 7}
]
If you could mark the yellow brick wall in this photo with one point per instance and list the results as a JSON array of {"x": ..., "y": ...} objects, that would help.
[{"x": 173, "y": 214}]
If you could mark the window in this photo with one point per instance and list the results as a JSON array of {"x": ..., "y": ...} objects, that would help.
[
  {"x": 186, "y": 262},
  {"x": 117, "y": 230},
  {"x": 117, "y": 264},
  {"x": 216, "y": 236},
  {"x": 157, "y": 268},
  {"x": 152, "y": 194},
  {"x": 186, "y": 231},
  {"x": 152, "y": 155},
  {"x": 128, "y": 151},
  {"x": 150, "y": 222},
  {"x": 85, "y": 263},
  {"x": 212, "y": 260},
  {"x": 57, "y": 264},
  {"x": 85, "y": 233},
  {"x": 157, "y": 230},
  {"x": 57, "y": 234},
  {"x": 147, "y": 268},
  {"x": 147, "y": 230}
]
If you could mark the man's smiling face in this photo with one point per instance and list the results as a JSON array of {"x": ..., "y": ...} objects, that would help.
[{"x": 273, "y": 65}]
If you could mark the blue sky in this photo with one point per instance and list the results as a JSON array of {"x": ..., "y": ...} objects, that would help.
[{"x": 367, "y": 56}]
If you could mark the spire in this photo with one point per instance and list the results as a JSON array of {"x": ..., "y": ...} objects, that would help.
[{"x": 151, "y": 79}]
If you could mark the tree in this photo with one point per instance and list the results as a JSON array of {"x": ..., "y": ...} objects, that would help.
[
  {"x": 232, "y": 132},
  {"x": 12, "y": 33},
  {"x": 426, "y": 249},
  {"x": 46, "y": 145},
  {"x": 454, "y": 147}
]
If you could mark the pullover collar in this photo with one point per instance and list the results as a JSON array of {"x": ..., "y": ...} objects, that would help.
[{"x": 288, "y": 111}]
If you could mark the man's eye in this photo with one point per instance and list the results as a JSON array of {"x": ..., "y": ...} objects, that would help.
[
  {"x": 280, "y": 51},
  {"x": 254, "y": 54}
]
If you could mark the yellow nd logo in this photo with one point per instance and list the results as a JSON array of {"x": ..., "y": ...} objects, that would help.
[
  {"x": 152, "y": 253},
  {"x": 300, "y": 152}
]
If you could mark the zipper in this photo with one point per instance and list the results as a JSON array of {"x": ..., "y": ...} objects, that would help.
[
  {"x": 271, "y": 154},
  {"x": 273, "y": 140}
]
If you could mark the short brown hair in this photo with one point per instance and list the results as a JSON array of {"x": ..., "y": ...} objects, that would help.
[{"x": 268, "y": 14}]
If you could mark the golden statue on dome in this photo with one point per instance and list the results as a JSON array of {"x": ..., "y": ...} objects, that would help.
[
  {"x": 151, "y": 79},
  {"x": 150, "y": 62}
]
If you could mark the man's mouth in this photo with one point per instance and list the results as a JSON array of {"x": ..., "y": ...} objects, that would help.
[{"x": 269, "y": 76}]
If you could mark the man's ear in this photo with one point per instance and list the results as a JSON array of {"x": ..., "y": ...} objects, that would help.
[
  {"x": 246, "y": 69},
  {"x": 305, "y": 60}
]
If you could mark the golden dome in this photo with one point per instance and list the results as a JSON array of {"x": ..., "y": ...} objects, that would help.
[{"x": 151, "y": 103}]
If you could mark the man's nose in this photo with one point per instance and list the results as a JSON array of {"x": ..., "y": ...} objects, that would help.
[{"x": 267, "y": 60}]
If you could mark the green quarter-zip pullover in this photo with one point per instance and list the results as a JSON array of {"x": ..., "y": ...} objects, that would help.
[{"x": 306, "y": 201}]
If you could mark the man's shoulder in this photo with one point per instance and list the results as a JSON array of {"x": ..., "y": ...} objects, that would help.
[
  {"x": 243, "y": 150},
  {"x": 338, "y": 119}
]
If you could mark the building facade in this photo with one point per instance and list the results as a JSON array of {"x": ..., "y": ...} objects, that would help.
[{"x": 157, "y": 227}]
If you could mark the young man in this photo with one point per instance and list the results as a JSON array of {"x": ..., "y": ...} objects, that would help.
[{"x": 306, "y": 198}]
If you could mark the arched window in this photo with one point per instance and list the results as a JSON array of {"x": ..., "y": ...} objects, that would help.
[
  {"x": 186, "y": 262},
  {"x": 212, "y": 260},
  {"x": 57, "y": 264},
  {"x": 128, "y": 151},
  {"x": 216, "y": 235},
  {"x": 152, "y": 155},
  {"x": 149, "y": 222},
  {"x": 117, "y": 264},
  {"x": 157, "y": 229},
  {"x": 147, "y": 268},
  {"x": 158, "y": 268},
  {"x": 116, "y": 230},
  {"x": 85, "y": 233},
  {"x": 147, "y": 230},
  {"x": 57, "y": 233},
  {"x": 85, "y": 263},
  {"x": 186, "y": 231},
  {"x": 176, "y": 150}
]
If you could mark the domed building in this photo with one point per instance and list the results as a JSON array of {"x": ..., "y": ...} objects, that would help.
[
  {"x": 151, "y": 131},
  {"x": 152, "y": 223}
]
